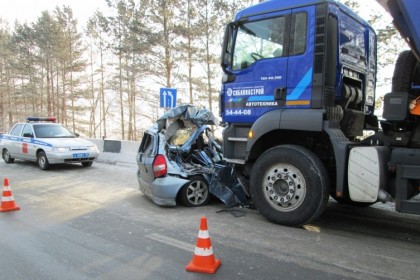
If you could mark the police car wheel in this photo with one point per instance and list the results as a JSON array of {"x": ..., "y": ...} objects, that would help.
[
  {"x": 6, "y": 156},
  {"x": 87, "y": 163},
  {"x": 43, "y": 161}
]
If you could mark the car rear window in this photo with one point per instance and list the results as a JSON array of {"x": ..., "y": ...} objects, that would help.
[{"x": 146, "y": 146}]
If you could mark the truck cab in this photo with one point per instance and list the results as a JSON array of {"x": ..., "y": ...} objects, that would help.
[
  {"x": 297, "y": 98},
  {"x": 315, "y": 57}
]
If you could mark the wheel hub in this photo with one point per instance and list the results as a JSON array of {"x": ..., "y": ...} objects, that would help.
[
  {"x": 285, "y": 187},
  {"x": 196, "y": 193}
]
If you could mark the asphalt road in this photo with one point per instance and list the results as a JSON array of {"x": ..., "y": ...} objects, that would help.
[{"x": 93, "y": 223}]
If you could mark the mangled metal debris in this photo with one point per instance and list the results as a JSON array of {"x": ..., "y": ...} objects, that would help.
[{"x": 191, "y": 147}]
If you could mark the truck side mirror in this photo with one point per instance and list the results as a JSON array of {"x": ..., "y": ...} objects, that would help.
[{"x": 226, "y": 58}]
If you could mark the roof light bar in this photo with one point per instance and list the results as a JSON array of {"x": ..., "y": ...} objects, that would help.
[{"x": 41, "y": 119}]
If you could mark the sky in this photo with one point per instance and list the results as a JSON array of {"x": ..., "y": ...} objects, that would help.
[{"x": 30, "y": 10}]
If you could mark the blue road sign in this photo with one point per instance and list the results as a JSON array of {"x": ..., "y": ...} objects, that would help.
[{"x": 167, "y": 97}]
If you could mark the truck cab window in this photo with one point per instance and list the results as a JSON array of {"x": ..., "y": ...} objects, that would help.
[
  {"x": 258, "y": 40},
  {"x": 298, "y": 34}
]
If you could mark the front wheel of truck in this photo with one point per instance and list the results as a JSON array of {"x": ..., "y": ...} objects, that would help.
[{"x": 289, "y": 185}]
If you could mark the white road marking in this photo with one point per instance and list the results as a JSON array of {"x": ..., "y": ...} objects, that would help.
[{"x": 172, "y": 242}]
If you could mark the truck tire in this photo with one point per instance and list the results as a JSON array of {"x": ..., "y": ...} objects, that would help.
[
  {"x": 289, "y": 185},
  {"x": 406, "y": 72}
]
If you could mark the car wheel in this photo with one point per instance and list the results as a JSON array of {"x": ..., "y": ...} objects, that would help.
[
  {"x": 87, "y": 163},
  {"x": 289, "y": 185},
  {"x": 43, "y": 161},
  {"x": 195, "y": 193},
  {"x": 6, "y": 156}
]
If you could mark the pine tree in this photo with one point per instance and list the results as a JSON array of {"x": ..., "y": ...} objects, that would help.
[
  {"x": 96, "y": 30},
  {"x": 69, "y": 55}
]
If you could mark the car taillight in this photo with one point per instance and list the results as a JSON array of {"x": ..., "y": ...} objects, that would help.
[{"x": 159, "y": 166}]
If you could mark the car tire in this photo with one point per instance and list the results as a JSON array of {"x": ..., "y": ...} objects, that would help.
[
  {"x": 42, "y": 161},
  {"x": 195, "y": 193},
  {"x": 6, "y": 156},
  {"x": 87, "y": 163},
  {"x": 289, "y": 185}
]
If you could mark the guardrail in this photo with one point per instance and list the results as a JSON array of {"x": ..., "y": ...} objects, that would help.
[{"x": 116, "y": 151}]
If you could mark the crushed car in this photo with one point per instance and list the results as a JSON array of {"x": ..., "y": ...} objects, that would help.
[{"x": 179, "y": 160}]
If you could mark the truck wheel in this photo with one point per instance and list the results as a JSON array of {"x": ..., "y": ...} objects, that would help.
[
  {"x": 406, "y": 72},
  {"x": 43, "y": 161},
  {"x": 195, "y": 193},
  {"x": 6, "y": 156},
  {"x": 289, "y": 185}
]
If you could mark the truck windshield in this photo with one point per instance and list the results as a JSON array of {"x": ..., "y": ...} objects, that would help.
[{"x": 257, "y": 40}]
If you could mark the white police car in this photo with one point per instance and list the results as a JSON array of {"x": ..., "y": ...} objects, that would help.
[{"x": 46, "y": 142}]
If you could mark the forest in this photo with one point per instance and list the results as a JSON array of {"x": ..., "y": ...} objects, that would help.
[{"x": 102, "y": 79}]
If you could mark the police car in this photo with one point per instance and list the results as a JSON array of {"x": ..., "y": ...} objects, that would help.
[{"x": 46, "y": 142}]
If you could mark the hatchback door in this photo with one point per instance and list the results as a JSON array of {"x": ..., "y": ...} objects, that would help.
[{"x": 145, "y": 157}]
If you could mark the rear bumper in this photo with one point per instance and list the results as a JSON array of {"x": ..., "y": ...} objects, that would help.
[{"x": 162, "y": 191}]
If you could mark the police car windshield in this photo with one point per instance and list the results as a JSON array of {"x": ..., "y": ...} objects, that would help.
[{"x": 52, "y": 131}]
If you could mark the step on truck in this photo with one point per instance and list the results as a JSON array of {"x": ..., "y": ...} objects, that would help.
[{"x": 298, "y": 101}]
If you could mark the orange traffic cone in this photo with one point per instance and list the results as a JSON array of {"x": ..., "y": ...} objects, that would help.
[
  {"x": 203, "y": 259},
  {"x": 7, "y": 200}
]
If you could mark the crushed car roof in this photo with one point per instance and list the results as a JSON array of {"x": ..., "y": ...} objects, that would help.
[
  {"x": 198, "y": 117},
  {"x": 207, "y": 161}
]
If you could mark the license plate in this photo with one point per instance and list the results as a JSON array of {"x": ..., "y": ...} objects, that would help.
[{"x": 81, "y": 155}]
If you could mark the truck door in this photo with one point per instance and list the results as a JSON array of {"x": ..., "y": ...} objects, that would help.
[
  {"x": 272, "y": 65},
  {"x": 259, "y": 64},
  {"x": 301, "y": 58}
]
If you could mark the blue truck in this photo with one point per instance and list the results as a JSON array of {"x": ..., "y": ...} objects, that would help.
[{"x": 298, "y": 101}]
